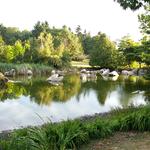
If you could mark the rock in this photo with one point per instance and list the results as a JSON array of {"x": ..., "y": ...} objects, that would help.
[
  {"x": 125, "y": 72},
  {"x": 114, "y": 78},
  {"x": 113, "y": 73},
  {"x": 105, "y": 72},
  {"x": 55, "y": 78},
  {"x": 138, "y": 92},
  {"x": 83, "y": 71},
  {"x": 29, "y": 72},
  {"x": 83, "y": 77},
  {"x": 52, "y": 77},
  {"x": 88, "y": 76},
  {"x": 61, "y": 73},
  {"x": 10, "y": 73},
  {"x": 3, "y": 79},
  {"x": 53, "y": 72},
  {"x": 142, "y": 72}
]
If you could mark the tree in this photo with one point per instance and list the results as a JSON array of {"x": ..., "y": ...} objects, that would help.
[
  {"x": 8, "y": 54},
  {"x": 129, "y": 48},
  {"x": 144, "y": 19},
  {"x": 45, "y": 45},
  {"x": 87, "y": 42},
  {"x": 19, "y": 51},
  {"x": 2, "y": 49},
  {"x": 132, "y": 4},
  {"x": 68, "y": 41},
  {"x": 40, "y": 27},
  {"x": 78, "y": 30},
  {"x": 103, "y": 52},
  {"x": 146, "y": 50}
]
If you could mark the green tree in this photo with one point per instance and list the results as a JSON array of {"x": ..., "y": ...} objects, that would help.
[
  {"x": 146, "y": 50},
  {"x": 8, "y": 54},
  {"x": 40, "y": 27},
  {"x": 103, "y": 52},
  {"x": 44, "y": 46},
  {"x": 129, "y": 48},
  {"x": 18, "y": 48}
]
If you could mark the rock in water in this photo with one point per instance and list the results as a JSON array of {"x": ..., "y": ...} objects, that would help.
[
  {"x": 10, "y": 73},
  {"x": 113, "y": 73}
]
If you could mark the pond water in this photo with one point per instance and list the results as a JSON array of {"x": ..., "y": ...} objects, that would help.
[{"x": 35, "y": 101}]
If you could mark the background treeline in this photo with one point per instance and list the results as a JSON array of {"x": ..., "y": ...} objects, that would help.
[{"x": 58, "y": 47}]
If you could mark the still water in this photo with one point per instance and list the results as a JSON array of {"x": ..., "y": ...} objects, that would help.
[{"x": 35, "y": 101}]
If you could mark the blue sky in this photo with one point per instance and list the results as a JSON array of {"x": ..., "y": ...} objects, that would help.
[{"x": 93, "y": 15}]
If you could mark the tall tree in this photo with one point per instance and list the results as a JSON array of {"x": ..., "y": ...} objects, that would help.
[
  {"x": 40, "y": 27},
  {"x": 128, "y": 47},
  {"x": 103, "y": 52}
]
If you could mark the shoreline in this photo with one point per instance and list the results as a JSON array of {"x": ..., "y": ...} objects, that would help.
[{"x": 5, "y": 133}]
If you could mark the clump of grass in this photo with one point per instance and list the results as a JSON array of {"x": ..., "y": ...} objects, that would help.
[{"x": 99, "y": 128}]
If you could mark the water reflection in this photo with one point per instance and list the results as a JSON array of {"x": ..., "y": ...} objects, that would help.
[{"x": 22, "y": 103}]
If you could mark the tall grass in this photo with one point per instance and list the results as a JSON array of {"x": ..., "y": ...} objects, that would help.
[
  {"x": 72, "y": 134},
  {"x": 22, "y": 68}
]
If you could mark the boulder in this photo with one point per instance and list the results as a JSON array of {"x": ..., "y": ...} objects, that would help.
[
  {"x": 3, "y": 79},
  {"x": 83, "y": 77},
  {"x": 105, "y": 72},
  {"x": 113, "y": 73},
  {"x": 142, "y": 72},
  {"x": 83, "y": 71},
  {"x": 10, "y": 73},
  {"x": 29, "y": 72},
  {"x": 55, "y": 78},
  {"x": 126, "y": 72}
]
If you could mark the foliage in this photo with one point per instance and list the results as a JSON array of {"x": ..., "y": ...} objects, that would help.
[
  {"x": 58, "y": 47},
  {"x": 132, "y": 4},
  {"x": 44, "y": 45},
  {"x": 130, "y": 49},
  {"x": 103, "y": 49},
  {"x": 144, "y": 19}
]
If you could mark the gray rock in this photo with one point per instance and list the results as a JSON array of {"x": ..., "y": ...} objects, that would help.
[
  {"x": 29, "y": 72},
  {"x": 10, "y": 73}
]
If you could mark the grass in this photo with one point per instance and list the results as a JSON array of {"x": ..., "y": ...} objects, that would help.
[
  {"x": 81, "y": 64},
  {"x": 73, "y": 134},
  {"x": 22, "y": 68}
]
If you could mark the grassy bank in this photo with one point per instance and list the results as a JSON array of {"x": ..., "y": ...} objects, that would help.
[
  {"x": 72, "y": 134},
  {"x": 22, "y": 68}
]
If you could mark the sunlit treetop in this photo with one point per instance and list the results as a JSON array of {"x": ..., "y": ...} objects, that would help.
[{"x": 132, "y": 4}]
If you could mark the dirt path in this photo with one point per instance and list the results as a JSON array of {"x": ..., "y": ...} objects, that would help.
[{"x": 121, "y": 141}]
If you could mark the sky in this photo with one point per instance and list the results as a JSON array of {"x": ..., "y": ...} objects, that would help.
[{"x": 93, "y": 15}]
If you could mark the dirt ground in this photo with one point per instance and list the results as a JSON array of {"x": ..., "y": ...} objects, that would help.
[{"x": 121, "y": 141}]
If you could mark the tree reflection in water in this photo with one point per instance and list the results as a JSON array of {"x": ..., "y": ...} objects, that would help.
[{"x": 43, "y": 93}]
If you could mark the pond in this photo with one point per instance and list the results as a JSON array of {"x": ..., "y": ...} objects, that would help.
[{"x": 35, "y": 101}]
